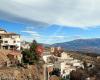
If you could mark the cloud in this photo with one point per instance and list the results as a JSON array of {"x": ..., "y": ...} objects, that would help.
[
  {"x": 29, "y": 28},
  {"x": 62, "y": 38},
  {"x": 26, "y": 38},
  {"x": 32, "y": 34},
  {"x": 74, "y": 13},
  {"x": 47, "y": 39},
  {"x": 21, "y": 20},
  {"x": 59, "y": 36}
]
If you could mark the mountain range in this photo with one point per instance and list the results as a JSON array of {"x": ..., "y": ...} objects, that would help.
[{"x": 83, "y": 45}]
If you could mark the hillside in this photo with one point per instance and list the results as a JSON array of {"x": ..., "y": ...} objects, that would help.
[
  {"x": 29, "y": 72},
  {"x": 85, "y": 45}
]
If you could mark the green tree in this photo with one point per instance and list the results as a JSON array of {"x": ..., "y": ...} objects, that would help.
[
  {"x": 33, "y": 46},
  {"x": 33, "y": 49},
  {"x": 30, "y": 55}
]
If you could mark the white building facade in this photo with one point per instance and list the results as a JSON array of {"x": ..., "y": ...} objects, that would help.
[
  {"x": 9, "y": 40},
  {"x": 69, "y": 64}
]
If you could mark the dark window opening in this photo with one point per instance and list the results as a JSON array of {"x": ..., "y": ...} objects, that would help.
[
  {"x": 0, "y": 37},
  {"x": 6, "y": 41},
  {"x": 14, "y": 41}
]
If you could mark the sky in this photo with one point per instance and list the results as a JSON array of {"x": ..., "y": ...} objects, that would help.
[{"x": 51, "y": 21}]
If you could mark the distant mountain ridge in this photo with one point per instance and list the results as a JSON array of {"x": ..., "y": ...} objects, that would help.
[{"x": 85, "y": 45}]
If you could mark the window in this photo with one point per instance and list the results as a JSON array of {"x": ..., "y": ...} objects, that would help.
[
  {"x": 6, "y": 41},
  {"x": 14, "y": 41}
]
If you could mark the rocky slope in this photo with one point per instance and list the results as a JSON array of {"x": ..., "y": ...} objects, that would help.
[{"x": 31, "y": 72}]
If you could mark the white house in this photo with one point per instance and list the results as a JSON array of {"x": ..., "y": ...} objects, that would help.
[
  {"x": 25, "y": 45},
  {"x": 45, "y": 58},
  {"x": 9, "y": 40},
  {"x": 66, "y": 68},
  {"x": 68, "y": 64},
  {"x": 65, "y": 55}
]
